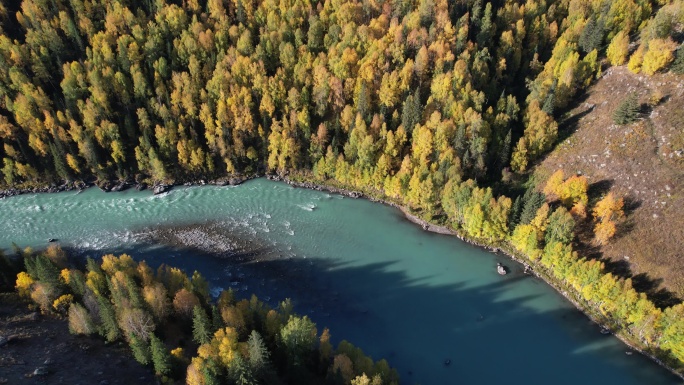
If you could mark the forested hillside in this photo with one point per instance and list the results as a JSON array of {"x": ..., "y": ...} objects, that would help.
[
  {"x": 442, "y": 106},
  {"x": 406, "y": 95}
]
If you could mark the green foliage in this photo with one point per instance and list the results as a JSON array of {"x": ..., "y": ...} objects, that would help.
[
  {"x": 80, "y": 321},
  {"x": 299, "y": 337},
  {"x": 140, "y": 349},
  {"x": 257, "y": 351},
  {"x": 678, "y": 64},
  {"x": 236, "y": 352},
  {"x": 627, "y": 111},
  {"x": 201, "y": 326},
  {"x": 592, "y": 35},
  {"x": 414, "y": 99},
  {"x": 161, "y": 359},
  {"x": 561, "y": 227},
  {"x": 108, "y": 328},
  {"x": 531, "y": 202}
]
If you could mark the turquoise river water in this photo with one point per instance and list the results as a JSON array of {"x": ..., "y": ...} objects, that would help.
[{"x": 357, "y": 267}]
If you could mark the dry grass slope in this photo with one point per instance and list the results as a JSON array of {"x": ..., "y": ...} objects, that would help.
[{"x": 642, "y": 161}]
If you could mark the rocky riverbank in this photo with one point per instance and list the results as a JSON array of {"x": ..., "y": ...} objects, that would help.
[{"x": 116, "y": 186}]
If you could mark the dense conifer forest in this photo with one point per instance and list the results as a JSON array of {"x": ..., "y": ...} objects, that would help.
[{"x": 442, "y": 106}]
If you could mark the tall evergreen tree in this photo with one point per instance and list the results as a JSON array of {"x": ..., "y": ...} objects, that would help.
[
  {"x": 627, "y": 111},
  {"x": 201, "y": 326},
  {"x": 532, "y": 201},
  {"x": 140, "y": 349},
  {"x": 161, "y": 359}
]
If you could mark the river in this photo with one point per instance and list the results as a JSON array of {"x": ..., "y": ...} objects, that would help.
[{"x": 357, "y": 267}]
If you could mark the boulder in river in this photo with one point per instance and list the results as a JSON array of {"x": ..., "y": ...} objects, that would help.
[
  {"x": 501, "y": 269},
  {"x": 161, "y": 188}
]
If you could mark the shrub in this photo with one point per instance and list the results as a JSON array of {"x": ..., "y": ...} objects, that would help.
[
  {"x": 627, "y": 111},
  {"x": 678, "y": 65}
]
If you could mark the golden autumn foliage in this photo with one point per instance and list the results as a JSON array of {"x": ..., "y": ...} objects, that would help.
[
  {"x": 659, "y": 55},
  {"x": 23, "y": 284},
  {"x": 636, "y": 60},
  {"x": 606, "y": 212},
  {"x": 184, "y": 301},
  {"x": 61, "y": 304},
  {"x": 618, "y": 50},
  {"x": 572, "y": 192}
]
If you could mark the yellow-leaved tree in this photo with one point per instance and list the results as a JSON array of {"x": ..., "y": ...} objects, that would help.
[
  {"x": 605, "y": 213},
  {"x": 618, "y": 49},
  {"x": 636, "y": 60},
  {"x": 658, "y": 56}
]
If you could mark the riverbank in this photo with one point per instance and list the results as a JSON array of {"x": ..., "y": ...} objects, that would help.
[
  {"x": 504, "y": 248},
  {"x": 116, "y": 186},
  {"x": 132, "y": 212}
]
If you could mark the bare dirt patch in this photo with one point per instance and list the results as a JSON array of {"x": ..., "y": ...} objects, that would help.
[
  {"x": 642, "y": 161},
  {"x": 39, "y": 350}
]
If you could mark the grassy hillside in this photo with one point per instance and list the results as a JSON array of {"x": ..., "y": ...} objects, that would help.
[{"x": 642, "y": 161}]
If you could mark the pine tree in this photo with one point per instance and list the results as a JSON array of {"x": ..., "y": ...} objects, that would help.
[
  {"x": 258, "y": 352},
  {"x": 592, "y": 35},
  {"x": 532, "y": 201},
  {"x": 550, "y": 101},
  {"x": 140, "y": 350},
  {"x": 627, "y": 111},
  {"x": 46, "y": 272},
  {"x": 505, "y": 153},
  {"x": 516, "y": 210},
  {"x": 108, "y": 327},
  {"x": 240, "y": 372},
  {"x": 160, "y": 356},
  {"x": 411, "y": 111},
  {"x": 216, "y": 319},
  {"x": 201, "y": 326},
  {"x": 678, "y": 65}
]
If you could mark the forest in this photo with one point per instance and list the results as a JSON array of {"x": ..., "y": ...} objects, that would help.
[
  {"x": 441, "y": 106},
  {"x": 172, "y": 324}
]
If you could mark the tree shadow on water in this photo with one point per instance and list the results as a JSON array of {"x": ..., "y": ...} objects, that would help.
[{"x": 501, "y": 331}]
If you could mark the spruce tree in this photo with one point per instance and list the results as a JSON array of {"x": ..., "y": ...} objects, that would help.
[
  {"x": 678, "y": 64},
  {"x": 201, "y": 326},
  {"x": 210, "y": 372},
  {"x": 627, "y": 111},
  {"x": 258, "y": 352},
  {"x": 550, "y": 101},
  {"x": 140, "y": 350},
  {"x": 514, "y": 214},
  {"x": 160, "y": 356},
  {"x": 134, "y": 293},
  {"x": 108, "y": 328},
  {"x": 532, "y": 201},
  {"x": 505, "y": 153},
  {"x": 592, "y": 35},
  {"x": 216, "y": 320},
  {"x": 46, "y": 271}
]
